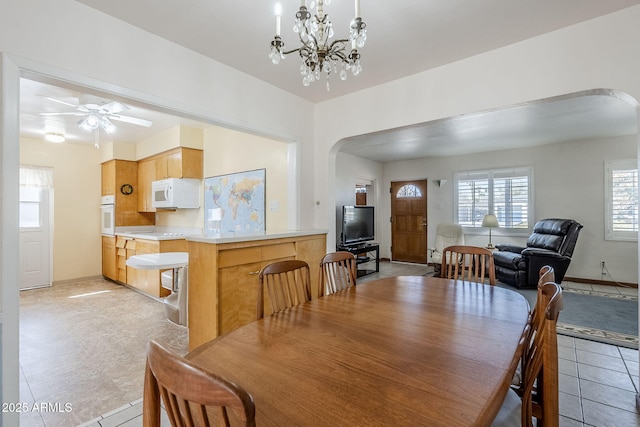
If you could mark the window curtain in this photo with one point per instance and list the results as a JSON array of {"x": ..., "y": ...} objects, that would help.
[{"x": 36, "y": 177}]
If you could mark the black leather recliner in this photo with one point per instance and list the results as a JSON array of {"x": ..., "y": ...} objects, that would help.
[{"x": 551, "y": 243}]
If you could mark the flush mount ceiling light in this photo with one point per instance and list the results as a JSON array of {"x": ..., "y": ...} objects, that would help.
[
  {"x": 318, "y": 52},
  {"x": 54, "y": 137}
]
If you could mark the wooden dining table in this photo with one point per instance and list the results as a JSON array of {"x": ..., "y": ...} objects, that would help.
[{"x": 398, "y": 351}]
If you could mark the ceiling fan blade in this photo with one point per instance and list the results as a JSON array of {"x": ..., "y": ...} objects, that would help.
[
  {"x": 132, "y": 120},
  {"x": 71, "y": 113},
  {"x": 62, "y": 102},
  {"x": 113, "y": 107}
]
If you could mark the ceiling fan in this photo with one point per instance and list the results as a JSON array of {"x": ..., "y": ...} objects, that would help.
[{"x": 99, "y": 116}]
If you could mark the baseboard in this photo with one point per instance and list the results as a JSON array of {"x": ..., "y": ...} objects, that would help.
[
  {"x": 76, "y": 280},
  {"x": 600, "y": 282}
]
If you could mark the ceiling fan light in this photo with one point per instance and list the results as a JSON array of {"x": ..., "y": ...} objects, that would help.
[
  {"x": 85, "y": 125},
  {"x": 54, "y": 137},
  {"x": 107, "y": 125}
]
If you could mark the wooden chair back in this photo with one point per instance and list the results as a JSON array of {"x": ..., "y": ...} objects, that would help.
[
  {"x": 287, "y": 283},
  {"x": 191, "y": 396},
  {"x": 337, "y": 272},
  {"x": 547, "y": 274},
  {"x": 541, "y": 362},
  {"x": 471, "y": 263}
]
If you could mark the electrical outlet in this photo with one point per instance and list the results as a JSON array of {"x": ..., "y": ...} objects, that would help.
[{"x": 603, "y": 269}]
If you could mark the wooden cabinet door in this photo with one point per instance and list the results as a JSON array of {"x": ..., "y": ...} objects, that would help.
[
  {"x": 237, "y": 296},
  {"x": 146, "y": 175},
  {"x": 174, "y": 164},
  {"x": 161, "y": 167},
  {"x": 185, "y": 163},
  {"x": 109, "y": 257},
  {"x": 108, "y": 174}
]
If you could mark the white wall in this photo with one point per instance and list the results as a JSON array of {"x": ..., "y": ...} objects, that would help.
[{"x": 568, "y": 182}]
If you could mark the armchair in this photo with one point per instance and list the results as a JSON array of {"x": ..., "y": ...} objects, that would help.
[
  {"x": 551, "y": 243},
  {"x": 446, "y": 235}
]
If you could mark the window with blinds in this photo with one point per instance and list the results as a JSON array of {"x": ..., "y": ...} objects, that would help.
[
  {"x": 504, "y": 193},
  {"x": 622, "y": 200}
]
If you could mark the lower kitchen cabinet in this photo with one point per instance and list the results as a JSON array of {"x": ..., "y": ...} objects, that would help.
[
  {"x": 109, "y": 257},
  {"x": 125, "y": 247},
  {"x": 116, "y": 250},
  {"x": 223, "y": 280}
]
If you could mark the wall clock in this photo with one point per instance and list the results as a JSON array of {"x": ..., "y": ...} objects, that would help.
[{"x": 126, "y": 189}]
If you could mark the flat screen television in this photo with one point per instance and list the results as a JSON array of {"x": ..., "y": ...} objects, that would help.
[{"x": 358, "y": 224}]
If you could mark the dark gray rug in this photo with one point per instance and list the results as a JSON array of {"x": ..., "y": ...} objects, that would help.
[{"x": 612, "y": 319}]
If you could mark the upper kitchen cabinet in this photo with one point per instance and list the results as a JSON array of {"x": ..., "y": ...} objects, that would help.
[
  {"x": 180, "y": 162},
  {"x": 120, "y": 179},
  {"x": 109, "y": 178}
]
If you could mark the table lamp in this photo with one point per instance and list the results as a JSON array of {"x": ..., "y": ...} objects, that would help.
[{"x": 490, "y": 221}]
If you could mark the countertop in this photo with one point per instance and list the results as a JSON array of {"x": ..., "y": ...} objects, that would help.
[
  {"x": 153, "y": 233},
  {"x": 247, "y": 237}
]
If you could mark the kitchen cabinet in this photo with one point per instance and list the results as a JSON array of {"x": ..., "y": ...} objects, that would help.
[
  {"x": 125, "y": 248},
  {"x": 223, "y": 279},
  {"x": 109, "y": 257},
  {"x": 108, "y": 172},
  {"x": 180, "y": 162},
  {"x": 146, "y": 175},
  {"x": 117, "y": 176},
  {"x": 148, "y": 281}
]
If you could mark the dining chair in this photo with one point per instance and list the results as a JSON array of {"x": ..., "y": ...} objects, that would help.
[
  {"x": 539, "y": 398},
  {"x": 470, "y": 263},
  {"x": 191, "y": 396},
  {"x": 287, "y": 283},
  {"x": 337, "y": 272},
  {"x": 546, "y": 274}
]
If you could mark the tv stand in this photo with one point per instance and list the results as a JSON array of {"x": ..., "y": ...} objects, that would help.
[{"x": 362, "y": 252}]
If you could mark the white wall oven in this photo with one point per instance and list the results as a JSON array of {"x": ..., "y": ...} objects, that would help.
[{"x": 108, "y": 215}]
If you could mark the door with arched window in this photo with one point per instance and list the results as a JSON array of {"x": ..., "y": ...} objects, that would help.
[{"x": 409, "y": 221}]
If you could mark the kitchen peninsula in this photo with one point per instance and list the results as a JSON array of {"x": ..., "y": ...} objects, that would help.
[{"x": 223, "y": 275}]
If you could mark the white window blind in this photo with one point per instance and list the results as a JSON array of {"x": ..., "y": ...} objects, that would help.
[
  {"x": 622, "y": 200},
  {"x": 504, "y": 193}
]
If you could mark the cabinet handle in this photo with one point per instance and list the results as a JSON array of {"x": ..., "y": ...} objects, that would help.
[{"x": 254, "y": 272}]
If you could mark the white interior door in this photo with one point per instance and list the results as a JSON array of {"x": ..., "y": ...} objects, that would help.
[{"x": 35, "y": 237}]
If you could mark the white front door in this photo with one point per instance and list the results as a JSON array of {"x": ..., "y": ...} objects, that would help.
[{"x": 35, "y": 237}]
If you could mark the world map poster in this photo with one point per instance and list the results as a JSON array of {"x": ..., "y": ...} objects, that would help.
[{"x": 235, "y": 202}]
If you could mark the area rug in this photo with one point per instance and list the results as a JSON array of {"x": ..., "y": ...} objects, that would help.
[{"x": 602, "y": 317}]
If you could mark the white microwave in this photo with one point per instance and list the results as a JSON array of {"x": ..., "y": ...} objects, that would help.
[{"x": 175, "y": 193}]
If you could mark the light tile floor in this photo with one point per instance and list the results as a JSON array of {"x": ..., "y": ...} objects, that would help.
[
  {"x": 84, "y": 344},
  {"x": 598, "y": 382}
]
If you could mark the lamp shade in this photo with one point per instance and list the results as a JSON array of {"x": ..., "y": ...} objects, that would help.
[{"x": 490, "y": 221}]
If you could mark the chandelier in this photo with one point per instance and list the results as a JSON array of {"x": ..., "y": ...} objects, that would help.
[{"x": 319, "y": 54}]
